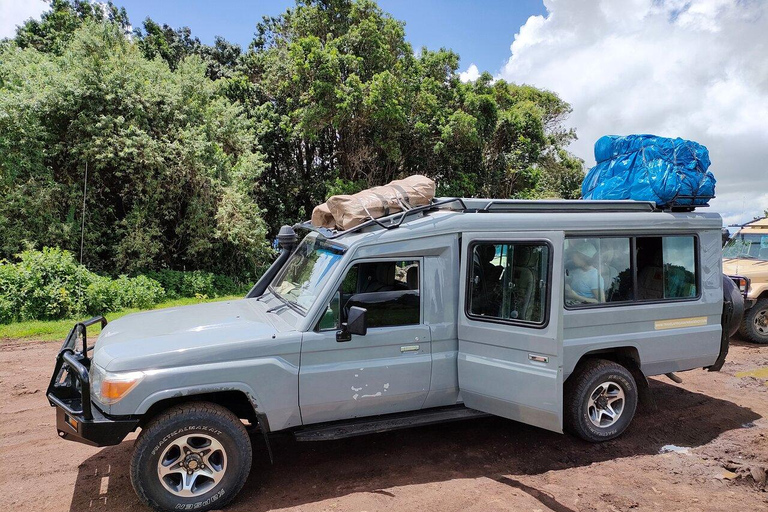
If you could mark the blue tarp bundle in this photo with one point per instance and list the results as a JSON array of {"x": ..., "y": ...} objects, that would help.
[{"x": 650, "y": 168}]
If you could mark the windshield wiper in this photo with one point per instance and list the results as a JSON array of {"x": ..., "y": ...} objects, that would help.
[
  {"x": 273, "y": 309},
  {"x": 285, "y": 302}
]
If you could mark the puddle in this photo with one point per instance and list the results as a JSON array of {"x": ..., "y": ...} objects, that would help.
[{"x": 759, "y": 373}]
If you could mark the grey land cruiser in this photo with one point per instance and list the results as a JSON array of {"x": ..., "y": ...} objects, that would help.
[{"x": 551, "y": 313}]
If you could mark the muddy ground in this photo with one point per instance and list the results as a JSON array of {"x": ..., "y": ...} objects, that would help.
[{"x": 715, "y": 423}]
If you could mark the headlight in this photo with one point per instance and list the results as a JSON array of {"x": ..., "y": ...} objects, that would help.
[
  {"x": 110, "y": 387},
  {"x": 742, "y": 283}
]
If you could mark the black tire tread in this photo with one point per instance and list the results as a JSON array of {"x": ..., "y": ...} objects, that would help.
[
  {"x": 747, "y": 323},
  {"x": 189, "y": 410},
  {"x": 577, "y": 387}
]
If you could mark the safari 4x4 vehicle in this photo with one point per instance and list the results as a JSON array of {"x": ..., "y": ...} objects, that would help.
[
  {"x": 551, "y": 313},
  {"x": 745, "y": 259}
]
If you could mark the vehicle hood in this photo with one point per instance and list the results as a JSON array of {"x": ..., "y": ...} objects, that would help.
[
  {"x": 755, "y": 270},
  {"x": 196, "y": 334},
  {"x": 745, "y": 267}
]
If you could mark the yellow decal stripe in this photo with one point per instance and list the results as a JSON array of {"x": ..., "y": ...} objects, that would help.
[{"x": 677, "y": 323}]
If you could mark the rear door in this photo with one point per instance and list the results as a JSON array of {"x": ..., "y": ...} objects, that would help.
[{"x": 510, "y": 326}]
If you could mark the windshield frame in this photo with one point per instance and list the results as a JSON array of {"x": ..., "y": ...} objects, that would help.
[
  {"x": 737, "y": 243},
  {"x": 318, "y": 241}
]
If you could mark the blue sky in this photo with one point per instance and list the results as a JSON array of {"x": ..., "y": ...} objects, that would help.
[{"x": 480, "y": 32}]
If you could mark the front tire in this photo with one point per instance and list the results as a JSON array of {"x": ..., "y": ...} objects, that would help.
[
  {"x": 600, "y": 400},
  {"x": 754, "y": 326},
  {"x": 194, "y": 456}
]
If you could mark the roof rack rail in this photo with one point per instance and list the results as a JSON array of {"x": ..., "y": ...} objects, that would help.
[
  {"x": 573, "y": 205},
  {"x": 468, "y": 205},
  {"x": 390, "y": 222}
]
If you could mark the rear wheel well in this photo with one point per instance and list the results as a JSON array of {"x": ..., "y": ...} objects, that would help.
[
  {"x": 629, "y": 358},
  {"x": 235, "y": 401},
  {"x": 763, "y": 295}
]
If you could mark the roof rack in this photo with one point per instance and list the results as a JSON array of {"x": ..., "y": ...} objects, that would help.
[
  {"x": 466, "y": 205},
  {"x": 390, "y": 222}
]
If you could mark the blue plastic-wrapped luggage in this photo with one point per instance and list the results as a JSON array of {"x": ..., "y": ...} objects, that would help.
[{"x": 669, "y": 172}]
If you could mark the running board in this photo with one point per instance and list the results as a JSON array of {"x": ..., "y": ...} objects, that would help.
[{"x": 376, "y": 424}]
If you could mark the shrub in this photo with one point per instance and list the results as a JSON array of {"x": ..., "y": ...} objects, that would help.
[
  {"x": 106, "y": 294},
  {"x": 138, "y": 292},
  {"x": 43, "y": 285},
  {"x": 179, "y": 283},
  {"x": 50, "y": 284}
]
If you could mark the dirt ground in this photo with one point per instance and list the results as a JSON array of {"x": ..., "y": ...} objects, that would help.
[{"x": 715, "y": 424}]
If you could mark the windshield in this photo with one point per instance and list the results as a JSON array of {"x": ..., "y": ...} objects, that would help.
[
  {"x": 751, "y": 246},
  {"x": 305, "y": 274}
]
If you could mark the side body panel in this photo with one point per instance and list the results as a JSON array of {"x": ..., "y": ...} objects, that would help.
[
  {"x": 650, "y": 328},
  {"x": 497, "y": 370},
  {"x": 367, "y": 376}
]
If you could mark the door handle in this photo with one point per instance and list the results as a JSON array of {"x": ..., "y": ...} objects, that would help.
[{"x": 409, "y": 348}]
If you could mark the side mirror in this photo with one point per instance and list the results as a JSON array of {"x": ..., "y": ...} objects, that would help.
[{"x": 355, "y": 324}]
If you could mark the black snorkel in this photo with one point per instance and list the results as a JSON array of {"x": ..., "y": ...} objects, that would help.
[{"x": 287, "y": 239}]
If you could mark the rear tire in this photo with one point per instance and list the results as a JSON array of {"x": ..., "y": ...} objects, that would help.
[
  {"x": 194, "y": 456},
  {"x": 754, "y": 326},
  {"x": 600, "y": 400}
]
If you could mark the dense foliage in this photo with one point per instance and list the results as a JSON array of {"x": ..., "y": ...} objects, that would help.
[
  {"x": 50, "y": 284},
  {"x": 196, "y": 154}
]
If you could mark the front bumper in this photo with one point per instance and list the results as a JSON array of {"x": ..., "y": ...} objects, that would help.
[
  {"x": 100, "y": 430},
  {"x": 69, "y": 391}
]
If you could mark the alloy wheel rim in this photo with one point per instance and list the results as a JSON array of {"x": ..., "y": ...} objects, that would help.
[
  {"x": 761, "y": 322},
  {"x": 605, "y": 404},
  {"x": 192, "y": 465}
]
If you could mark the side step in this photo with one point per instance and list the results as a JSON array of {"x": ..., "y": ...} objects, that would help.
[{"x": 376, "y": 424}]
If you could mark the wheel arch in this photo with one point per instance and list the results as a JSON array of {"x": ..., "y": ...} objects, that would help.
[
  {"x": 627, "y": 356},
  {"x": 240, "y": 402}
]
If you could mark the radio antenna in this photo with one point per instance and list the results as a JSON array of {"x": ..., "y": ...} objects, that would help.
[{"x": 82, "y": 223}]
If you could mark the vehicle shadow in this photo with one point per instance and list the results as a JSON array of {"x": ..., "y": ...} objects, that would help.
[{"x": 306, "y": 473}]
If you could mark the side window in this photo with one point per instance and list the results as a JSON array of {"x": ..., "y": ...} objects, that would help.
[
  {"x": 602, "y": 270},
  {"x": 666, "y": 267},
  {"x": 509, "y": 281},
  {"x": 597, "y": 270},
  {"x": 388, "y": 290}
]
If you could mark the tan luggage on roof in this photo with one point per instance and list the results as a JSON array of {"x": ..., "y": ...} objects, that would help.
[{"x": 347, "y": 211}]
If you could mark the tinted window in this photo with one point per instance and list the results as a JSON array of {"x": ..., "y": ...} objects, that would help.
[
  {"x": 600, "y": 270},
  {"x": 509, "y": 281},
  {"x": 597, "y": 270},
  {"x": 666, "y": 267},
  {"x": 388, "y": 290}
]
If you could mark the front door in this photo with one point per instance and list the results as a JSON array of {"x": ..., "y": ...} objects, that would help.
[
  {"x": 386, "y": 371},
  {"x": 510, "y": 317}
]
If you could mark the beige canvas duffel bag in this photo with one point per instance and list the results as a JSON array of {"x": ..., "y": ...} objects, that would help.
[{"x": 347, "y": 211}]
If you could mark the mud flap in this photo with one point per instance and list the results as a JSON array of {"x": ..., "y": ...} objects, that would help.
[{"x": 733, "y": 311}]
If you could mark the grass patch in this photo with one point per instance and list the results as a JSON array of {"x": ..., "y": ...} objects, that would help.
[{"x": 48, "y": 330}]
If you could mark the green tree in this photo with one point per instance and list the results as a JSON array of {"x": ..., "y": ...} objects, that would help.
[
  {"x": 174, "y": 45},
  {"x": 172, "y": 164},
  {"x": 56, "y": 27},
  {"x": 342, "y": 103},
  {"x": 184, "y": 140}
]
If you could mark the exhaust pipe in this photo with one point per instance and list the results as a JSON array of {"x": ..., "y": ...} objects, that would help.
[{"x": 287, "y": 241}]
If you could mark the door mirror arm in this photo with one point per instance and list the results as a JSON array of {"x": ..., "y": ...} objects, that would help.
[{"x": 356, "y": 324}]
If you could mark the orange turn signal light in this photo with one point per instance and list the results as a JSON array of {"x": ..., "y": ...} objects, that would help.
[{"x": 115, "y": 390}]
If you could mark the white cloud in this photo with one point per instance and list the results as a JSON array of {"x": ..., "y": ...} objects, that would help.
[
  {"x": 470, "y": 75},
  {"x": 694, "y": 69},
  {"x": 16, "y": 12}
]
